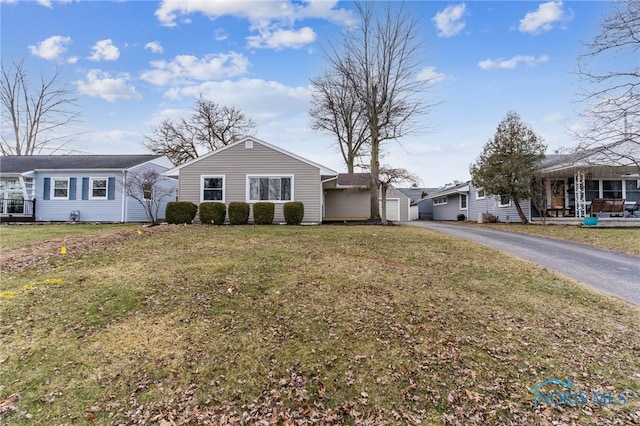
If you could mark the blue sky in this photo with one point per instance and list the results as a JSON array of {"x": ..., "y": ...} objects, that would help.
[{"x": 135, "y": 62}]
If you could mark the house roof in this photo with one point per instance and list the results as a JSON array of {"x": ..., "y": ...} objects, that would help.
[
  {"x": 360, "y": 180},
  {"x": 622, "y": 153},
  {"x": 416, "y": 194},
  {"x": 324, "y": 171},
  {"x": 450, "y": 189},
  {"x": 17, "y": 164}
]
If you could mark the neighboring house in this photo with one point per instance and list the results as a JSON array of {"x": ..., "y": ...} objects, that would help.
[
  {"x": 421, "y": 206},
  {"x": 252, "y": 170},
  {"x": 85, "y": 188},
  {"x": 573, "y": 181},
  {"x": 348, "y": 198},
  {"x": 462, "y": 198}
]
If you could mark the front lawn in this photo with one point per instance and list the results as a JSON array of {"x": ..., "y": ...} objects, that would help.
[{"x": 216, "y": 325}]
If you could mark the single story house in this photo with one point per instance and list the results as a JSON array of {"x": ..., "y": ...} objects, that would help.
[
  {"x": 252, "y": 170},
  {"x": 574, "y": 180},
  {"x": 463, "y": 201},
  {"x": 85, "y": 188},
  {"x": 570, "y": 182}
]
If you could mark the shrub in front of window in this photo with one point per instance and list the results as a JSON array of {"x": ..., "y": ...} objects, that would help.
[
  {"x": 213, "y": 212},
  {"x": 293, "y": 212},
  {"x": 238, "y": 213},
  {"x": 180, "y": 212},
  {"x": 263, "y": 213}
]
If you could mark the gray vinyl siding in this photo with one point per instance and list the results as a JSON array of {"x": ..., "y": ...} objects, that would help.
[
  {"x": 490, "y": 204},
  {"x": 347, "y": 204},
  {"x": 135, "y": 212},
  {"x": 237, "y": 162},
  {"x": 90, "y": 210},
  {"x": 451, "y": 210}
]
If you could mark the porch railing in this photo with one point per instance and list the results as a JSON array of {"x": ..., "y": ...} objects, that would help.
[{"x": 18, "y": 208}]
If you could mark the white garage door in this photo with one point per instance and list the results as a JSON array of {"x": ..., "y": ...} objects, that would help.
[{"x": 393, "y": 209}]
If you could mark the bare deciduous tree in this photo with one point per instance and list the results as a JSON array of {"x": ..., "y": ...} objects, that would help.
[
  {"x": 388, "y": 176},
  {"x": 338, "y": 111},
  {"x": 210, "y": 127},
  {"x": 611, "y": 92},
  {"x": 149, "y": 187},
  {"x": 35, "y": 114},
  {"x": 379, "y": 60}
]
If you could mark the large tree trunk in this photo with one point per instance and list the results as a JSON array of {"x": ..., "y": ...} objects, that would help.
[
  {"x": 375, "y": 173},
  {"x": 523, "y": 218},
  {"x": 383, "y": 210}
]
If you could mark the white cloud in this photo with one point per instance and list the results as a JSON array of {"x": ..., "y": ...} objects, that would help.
[
  {"x": 544, "y": 18},
  {"x": 272, "y": 20},
  {"x": 169, "y": 10},
  {"x": 45, "y": 3},
  {"x": 450, "y": 21},
  {"x": 430, "y": 75},
  {"x": 280, "y": 39},
  {"x": 51, "y": 48},
  {"x": 104, "y": 50},
  {"x": 72, "y": 60},
  {"x": 100, "y": 84},
  {"x": 186, "y": 68},
  {"x": 512, "y": 63},
  {"x": 154, "y": 46},
  {"x": 261, "y": 100}
]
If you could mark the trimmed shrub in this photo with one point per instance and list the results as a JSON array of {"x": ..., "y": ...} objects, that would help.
[
  {"x": 213, "y": 212},
  {"x": 263, "y": 213},
  {"x": 180, "y": 212},
  {"x": 238, "y": 213},
  {"x": 293, "y": 212}
]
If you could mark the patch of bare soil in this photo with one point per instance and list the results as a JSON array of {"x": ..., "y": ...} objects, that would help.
[{"x": 41, "y": 253}]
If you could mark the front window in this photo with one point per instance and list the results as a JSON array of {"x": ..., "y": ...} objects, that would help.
[
  {"x": 272, "y": 188},
  {"x": 463, "y": 201},
  {"x": 59, "y": 189},
  {"x": 439, "y": 201},
  {"x": 592, "y": 190},
  {"x": 611, "y": 189},
  {"x": 632, "y": 190},
  {"x": 98, "y": 188},
  {"x": 213, "y": 188}
]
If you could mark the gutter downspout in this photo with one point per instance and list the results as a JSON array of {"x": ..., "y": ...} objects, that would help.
[{"x": 123, "y": 217}]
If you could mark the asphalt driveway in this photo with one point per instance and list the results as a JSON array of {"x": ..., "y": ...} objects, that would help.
[{"x": 613, "y": 273}]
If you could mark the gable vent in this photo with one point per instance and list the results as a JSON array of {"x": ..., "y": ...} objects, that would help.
[{"x": 248, "y": 144}]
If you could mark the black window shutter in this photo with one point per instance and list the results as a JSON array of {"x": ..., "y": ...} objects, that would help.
[
  {"x": 111, "y": 189},
  {"x": 85, "y": 188},
  {"x": 72, "y": 188}
]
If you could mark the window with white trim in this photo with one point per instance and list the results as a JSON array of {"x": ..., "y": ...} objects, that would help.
[
  {"x": 212, "y": 188},
  {"x": 632, "y": 190},
  {"x": 439, "y": 201},
  {"x": 504, "y": 201},
  {"x": 270, "y": 188},
  {"x": 98, "y": 188},
  {"x": 480, "y": 194},
  {"x": 59, "y": 188},
  {"x": 463, "y": 201}
]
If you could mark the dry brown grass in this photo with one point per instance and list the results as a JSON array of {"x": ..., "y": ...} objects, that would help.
[{"x": 328, "y": 324}]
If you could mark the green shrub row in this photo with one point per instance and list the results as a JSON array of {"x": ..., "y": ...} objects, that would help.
[{"x": 214, "y": 212}]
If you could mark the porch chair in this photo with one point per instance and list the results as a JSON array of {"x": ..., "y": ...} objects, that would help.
[{"x": 633, "y": 209}]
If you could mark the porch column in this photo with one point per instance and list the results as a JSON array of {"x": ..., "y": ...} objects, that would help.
[{"x": 581, "y": 202}]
